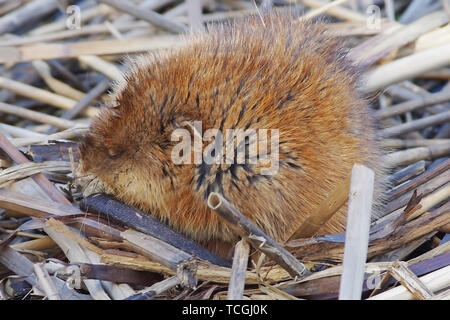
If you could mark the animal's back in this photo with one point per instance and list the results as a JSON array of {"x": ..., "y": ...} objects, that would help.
[{"x": 271, "y": 73}]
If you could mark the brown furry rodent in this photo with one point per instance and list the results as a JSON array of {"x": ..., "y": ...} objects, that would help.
[{"x": 266, "y": 72}]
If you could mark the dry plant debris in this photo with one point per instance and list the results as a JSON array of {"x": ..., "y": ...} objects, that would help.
[{"x": 59, "y": 58}]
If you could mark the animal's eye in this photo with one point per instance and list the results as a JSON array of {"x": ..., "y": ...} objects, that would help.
[{"x": 113, "y": 153}]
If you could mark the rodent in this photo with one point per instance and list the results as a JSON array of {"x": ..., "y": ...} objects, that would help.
[{"x": 261, "y": 72}]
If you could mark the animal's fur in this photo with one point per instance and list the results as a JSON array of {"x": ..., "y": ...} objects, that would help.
[{"x": 280, "y": 74}]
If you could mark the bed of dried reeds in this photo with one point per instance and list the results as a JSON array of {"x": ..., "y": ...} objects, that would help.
[{"x": 57, "y": 62}]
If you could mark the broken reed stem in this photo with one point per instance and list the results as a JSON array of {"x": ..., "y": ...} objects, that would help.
[
  {"x": 255, "y": 236},
  {"x": 22, "y": 266},
  {"x": 19, "y": 132},
  {"x": 428, "y": 222},
  {"x": 66, "y": 50},
  {"x": 60, "y": 24},
  {"x": 205, "y": 271},
  {"x": 194, "y": 13},
  {"x": 71, "y": 133},
  {"x": 56, "y": 85},
  {"x": 24, "y": 170},
  {"x": 409, "y": 280},
  {"x": 416, "y": 125},
  {"x": 323, "y": 9},
  {"x": 339, "y": 12},
  {"x": 441, "y": 74},
  {"x": 183, "y": 263},
  {"x": 75, "y": 252},
  {"x": 147, "y": 15},
  {"x": 401, "y": 69},
  {"x": 27, "y": 13},
  {"x": 406, "y": 173},
  {"x": 157, "y": 288},
  {"x": 238, "y": 270},
  {"x": 324, "y": 212},
  {"x": 138, "y": 220},
  {"x": 395, "y": 36},
  {"x": 428, "y": 202},
  {"x": 96, "y": 29},
  {"x": 409, "y": 156},
  {"x": 357, "y": 232},
  {"x": 434, "y": 281},
  {"x": 442, "y": 296},
  {"x": 305, "y": 1},
  {"x": 67, "y": 232},
  {"x": 43, "y": 96},
  {"x": 157, "y": 250},
  {"x": 37, "y": 116},
  {"x": 34, "y": 206},
  {"x": 408, "y": 106},
  {"x": 82, "y": 104},
  {"x": 411, "y": 143},
  {"x": 39, "y": 178},
  {"x": 104, "y": 67},
  {"x": 36, "y": 244},
  {"x": 45, "y": 281},
  {"x": 426, "y": 191},
  {"x": 426, "y": 176}
]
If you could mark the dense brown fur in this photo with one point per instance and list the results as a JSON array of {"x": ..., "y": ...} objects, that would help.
[{"x": 276, "y": 74}]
